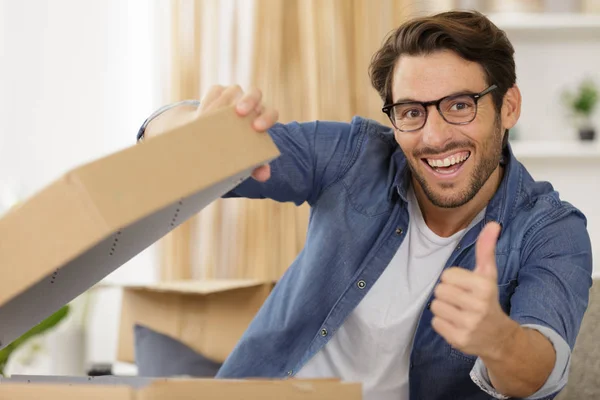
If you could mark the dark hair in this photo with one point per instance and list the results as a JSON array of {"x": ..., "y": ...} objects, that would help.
[{"x": 469, "y": 34}]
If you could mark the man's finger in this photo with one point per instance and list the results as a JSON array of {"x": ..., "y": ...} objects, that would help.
[
  {"x": 445, "y": 329},
  {"x": 266, "y": 120},
  {"x": 458, "y": 297},
  {"x": 262, "y": 174},
  {"x": 250, "y": 101},
  {"x": 213, "y": 93},
  {"x": 464, "y": 279},
  {"x": 231, "y": 95},
  {"x": 448, "y": 312},
  {"x": 485, "y": 251}
]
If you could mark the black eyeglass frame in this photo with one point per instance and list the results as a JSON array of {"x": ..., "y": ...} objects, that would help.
[{"x": 387, "y": 109}]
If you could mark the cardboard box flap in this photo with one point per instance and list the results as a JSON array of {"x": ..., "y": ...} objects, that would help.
[
  {"x": 199, "y": 287},
  {"x": 82, "y": 227}
]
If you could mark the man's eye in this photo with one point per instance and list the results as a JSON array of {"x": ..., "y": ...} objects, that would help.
[
  {"x": 460, "y": 106},
  {"x": 412, "y": 113}
]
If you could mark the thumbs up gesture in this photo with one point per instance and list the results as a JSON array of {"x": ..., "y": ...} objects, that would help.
[{"x": 466, "y": 309}]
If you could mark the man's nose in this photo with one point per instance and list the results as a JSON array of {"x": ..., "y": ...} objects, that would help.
[{"x": 435, "y": 131}]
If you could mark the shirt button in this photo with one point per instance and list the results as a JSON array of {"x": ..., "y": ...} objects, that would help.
[
  {"x": 429, "y": 306},
  {"x": 399, "y": 231},
  {"x": 323, "y": 332},
  {"x": 458, "y": 247},
  {"x": 361, "y": 284},
  {"x": 289, "y": 373}
]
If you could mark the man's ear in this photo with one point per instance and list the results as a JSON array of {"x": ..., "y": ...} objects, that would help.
[{"x": 511, "y": 107}]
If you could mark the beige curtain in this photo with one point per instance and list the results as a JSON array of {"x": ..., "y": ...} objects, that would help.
[
  {"x": 310, "y": 58},
  {"x": 183, "y": 82}
]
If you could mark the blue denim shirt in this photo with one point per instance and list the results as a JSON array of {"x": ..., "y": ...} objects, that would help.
[{"x": 355, "y": 178}]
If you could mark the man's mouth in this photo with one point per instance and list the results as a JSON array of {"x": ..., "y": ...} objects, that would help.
[{"x": 448, "y": 164}]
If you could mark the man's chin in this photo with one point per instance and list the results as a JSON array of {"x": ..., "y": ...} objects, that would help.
[{"x": 446, "y": 195}]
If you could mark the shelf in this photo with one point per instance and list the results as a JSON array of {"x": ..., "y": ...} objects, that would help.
[
  {"x": 555, "y": 149},
  {"x": 552, "y": 27},
  {"x": 547, "y": 21}
]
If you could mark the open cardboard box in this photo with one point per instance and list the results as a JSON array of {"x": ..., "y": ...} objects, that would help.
[
  {"x": 207, "y": 316},
  {"x": 116, "y": 388},
  {"x": 80, "y": 228}
]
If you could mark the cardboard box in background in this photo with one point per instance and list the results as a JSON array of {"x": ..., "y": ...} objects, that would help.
[{"x": 208, "y": 316}]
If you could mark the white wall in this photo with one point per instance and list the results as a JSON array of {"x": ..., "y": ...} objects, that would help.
[
  {"x": 77, "y": 78},
  {"x": 549, "y": 61}
]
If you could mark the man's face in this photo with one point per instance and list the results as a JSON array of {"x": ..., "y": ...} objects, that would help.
[{"x": 474, "y": 149}]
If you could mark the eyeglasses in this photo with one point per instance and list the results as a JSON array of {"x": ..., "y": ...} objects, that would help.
[{"x": 458, "y": 109}]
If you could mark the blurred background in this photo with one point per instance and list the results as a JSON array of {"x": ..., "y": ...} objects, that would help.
[{"x": 78, "y": 78}]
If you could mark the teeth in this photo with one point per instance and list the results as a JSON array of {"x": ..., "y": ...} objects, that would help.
[{"x": 448, "y": 161}]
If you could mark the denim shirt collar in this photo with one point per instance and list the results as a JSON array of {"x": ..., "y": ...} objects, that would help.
[{"x": 500, "y": 206}]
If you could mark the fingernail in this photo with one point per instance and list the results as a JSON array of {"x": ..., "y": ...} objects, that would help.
[
  {"x": 243, "y": 107},
  {"x": 260, "y": 124}
]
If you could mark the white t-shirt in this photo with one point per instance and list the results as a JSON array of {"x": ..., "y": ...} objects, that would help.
[{"x": 373, "y": 345}]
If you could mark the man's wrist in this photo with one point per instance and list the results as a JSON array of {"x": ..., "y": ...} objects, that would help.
[{"x": 503, "y": 345}]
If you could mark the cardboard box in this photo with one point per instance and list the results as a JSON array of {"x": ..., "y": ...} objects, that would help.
[
  {"x": 208, "y": 316},
  {"x": 77, "y": 230},
  {"x": 83, "y": 226},
  {"x": 58, "y": 388}
]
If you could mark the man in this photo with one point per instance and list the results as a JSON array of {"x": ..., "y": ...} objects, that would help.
[{"x": 434, "y": 267}]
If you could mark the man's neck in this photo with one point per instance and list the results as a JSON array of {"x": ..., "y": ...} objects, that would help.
[{"x": 445, "y": 222}]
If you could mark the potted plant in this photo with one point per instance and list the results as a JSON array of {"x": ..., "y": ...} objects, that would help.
[{"x": 582, "y": 103}]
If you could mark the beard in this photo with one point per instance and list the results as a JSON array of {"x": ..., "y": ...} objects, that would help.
[{"x": 451, "y": 196}]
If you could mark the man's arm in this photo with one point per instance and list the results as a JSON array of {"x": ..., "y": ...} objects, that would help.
[
  {"x": 529, "y": 378},
  {"x": 525, "y": 355},
  {"x": 313, "y": 154},
  {"x": 523, "y": 364}
]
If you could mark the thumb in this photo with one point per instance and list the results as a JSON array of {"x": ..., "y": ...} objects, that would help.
[{"x": 485, "y": 251}]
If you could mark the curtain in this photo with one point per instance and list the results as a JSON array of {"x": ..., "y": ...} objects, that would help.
[{"x": 310, "y": 58}]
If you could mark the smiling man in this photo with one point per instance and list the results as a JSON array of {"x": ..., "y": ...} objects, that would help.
[{"x": 435, "y": 267}]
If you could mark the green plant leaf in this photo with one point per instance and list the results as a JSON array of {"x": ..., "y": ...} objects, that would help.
[{"x": 40, "y": 328}]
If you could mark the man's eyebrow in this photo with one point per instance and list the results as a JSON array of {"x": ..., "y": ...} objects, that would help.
[{"x": 411, "y": 100}]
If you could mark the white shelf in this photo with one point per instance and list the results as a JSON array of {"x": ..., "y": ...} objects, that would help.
[
  {"x": 556, "y": 149},
  {"x": 546, "y": 21}
]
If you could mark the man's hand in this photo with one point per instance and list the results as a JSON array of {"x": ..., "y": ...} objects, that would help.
[
  {"x": 217, "y": 98},
  {"x": 466, "y": 309}
]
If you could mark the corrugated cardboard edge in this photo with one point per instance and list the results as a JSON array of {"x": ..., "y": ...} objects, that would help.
[
  {"x": 213, "y": 389},
  {"x": 198, "y": 287},
  {"x": 48, "y": 391},
  {"x": 185, "y": 388}
]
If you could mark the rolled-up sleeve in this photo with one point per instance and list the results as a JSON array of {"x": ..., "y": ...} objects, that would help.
[
  {"x": 555, "y": 382},
  {"x": 313, "y": 156}
]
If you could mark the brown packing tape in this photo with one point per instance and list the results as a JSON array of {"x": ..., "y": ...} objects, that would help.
[{"x": 210, "y": 323}]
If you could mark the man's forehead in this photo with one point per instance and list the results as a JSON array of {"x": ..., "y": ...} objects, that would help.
[{"x": 429, "y": 77}]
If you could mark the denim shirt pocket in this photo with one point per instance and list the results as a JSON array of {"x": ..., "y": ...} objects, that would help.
[{"x": 505, "y": 291}]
